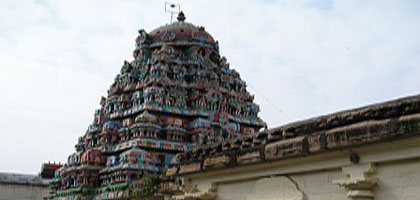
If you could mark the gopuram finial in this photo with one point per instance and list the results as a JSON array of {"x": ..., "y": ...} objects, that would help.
[{"x": 181, "y": 17}]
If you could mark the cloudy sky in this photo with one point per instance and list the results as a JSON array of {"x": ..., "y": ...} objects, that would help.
[{"x": 300, "y": 58}]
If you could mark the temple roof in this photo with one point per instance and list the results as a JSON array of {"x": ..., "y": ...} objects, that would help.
[{"x": 182, "y": 33}]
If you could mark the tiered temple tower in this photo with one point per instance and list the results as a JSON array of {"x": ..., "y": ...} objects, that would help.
[{"x": 177, "y": 93}]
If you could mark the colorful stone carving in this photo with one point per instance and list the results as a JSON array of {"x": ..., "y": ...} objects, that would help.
[{"x": 176, "y": 94}]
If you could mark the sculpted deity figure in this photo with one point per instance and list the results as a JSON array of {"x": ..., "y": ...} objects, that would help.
[
  {"x": 142, "y": 38},
  {"x": 223, "y": 62}
]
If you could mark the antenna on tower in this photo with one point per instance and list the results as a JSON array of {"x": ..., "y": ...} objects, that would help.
[{"x": 172, "y": 8}]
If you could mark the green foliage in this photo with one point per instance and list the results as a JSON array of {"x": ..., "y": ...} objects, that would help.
[{"x": 149, "y": 184}]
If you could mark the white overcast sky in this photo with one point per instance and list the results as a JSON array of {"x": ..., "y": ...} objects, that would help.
[{"x": 300, "y": 58}]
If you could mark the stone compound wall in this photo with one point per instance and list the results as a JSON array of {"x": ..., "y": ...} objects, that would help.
[
  {"x": 22, "y": 192},
  {"x": 372, "y": 152},
  {"x": 386, "y": 171}
]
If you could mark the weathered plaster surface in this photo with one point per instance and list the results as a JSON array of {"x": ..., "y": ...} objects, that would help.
[
  {"x": 22, "y": 192},
  {"x": 312, "y": 186},
  {"x": 399, "y": 180},
  {"x": 396, "y": 165}
]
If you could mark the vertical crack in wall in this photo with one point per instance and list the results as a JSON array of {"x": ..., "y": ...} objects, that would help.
[{"x": 297, "y": 186}]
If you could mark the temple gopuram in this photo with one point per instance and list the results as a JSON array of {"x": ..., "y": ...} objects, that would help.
[
  {"x": 179, "y": 124},
  {"x": 178, "y": 93}
]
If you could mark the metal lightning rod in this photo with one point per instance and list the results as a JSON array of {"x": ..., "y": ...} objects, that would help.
[{"x": 172, "y": 8}]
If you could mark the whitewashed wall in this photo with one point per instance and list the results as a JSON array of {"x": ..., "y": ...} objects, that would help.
[
  {"x": 393, "y": 166},
  {"x": 22, "y": 192}
]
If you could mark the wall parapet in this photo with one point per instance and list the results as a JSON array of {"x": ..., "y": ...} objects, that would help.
[{"x": 389, "y": 121}]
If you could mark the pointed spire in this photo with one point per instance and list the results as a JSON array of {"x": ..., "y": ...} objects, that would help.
[{"x": 181, "y": 17}]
